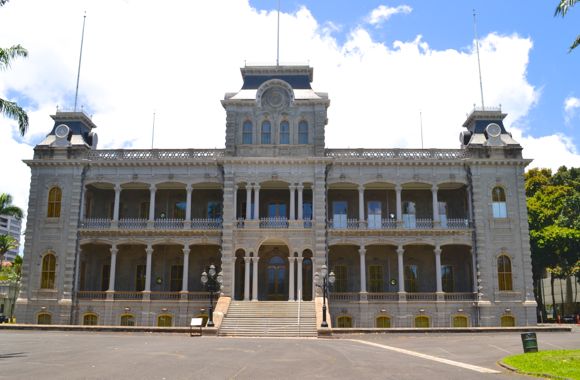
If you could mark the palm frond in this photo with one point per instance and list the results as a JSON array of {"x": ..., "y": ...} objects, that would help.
[
  {"x": 564, "y": 6},
  {"x": 14, "y": 111},
  {"x": 575, "y": 44},
  {"x": 7, "y": 55},
  {"x": 6, "y": 207},
  {"x": 2, "y": 2}
]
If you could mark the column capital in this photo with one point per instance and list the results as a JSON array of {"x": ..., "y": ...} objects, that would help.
[
  {"x": 361, "y": 187},
  {"x": 256, "y": 186},
  {"x": 186, "y": 251},
  {"x": 300, "y": 259},
  {"x": 256, "y": 258},
  {"x": 437, "y": 250},
  {"x": 362, "y": 250},
  {"x": 292, "y": 186},
  {"x": 114, "y": 249},
  {"x": 247, "y": 259},
  {"x": 189, "y": 188},
  {"x": 434, "y": 187},
  {"x": 398, "y": 187},
  {"x": 400, "y": 250},
  {"x": 152, "y": 187},
  {"x": 249, "y": 186},
  {"x": 300, "y": 186},
  {"x": 118, "y": 187},
  {"x": 149, "y": 249}
]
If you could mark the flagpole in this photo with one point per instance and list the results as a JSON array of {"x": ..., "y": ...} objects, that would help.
[{"x": 80, "y": 60}]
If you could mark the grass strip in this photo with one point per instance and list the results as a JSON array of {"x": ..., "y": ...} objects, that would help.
[{"x": 558, "y": 364}]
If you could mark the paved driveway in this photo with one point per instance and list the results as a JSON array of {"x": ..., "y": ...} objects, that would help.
[{"x": 81, "y": 355}]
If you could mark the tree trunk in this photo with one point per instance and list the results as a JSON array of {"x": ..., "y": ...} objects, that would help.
[
  {"x": 554, "y": 308},
  {"x": 562, "y": 310}
]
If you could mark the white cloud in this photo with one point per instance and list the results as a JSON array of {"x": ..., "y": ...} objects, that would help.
[
  {"x": 571, "y": 106},
  {"x": 179, "y": 58},
  {"x": 382, "y": 13}
]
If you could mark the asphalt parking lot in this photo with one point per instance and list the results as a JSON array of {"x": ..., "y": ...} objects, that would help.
[{"x": 91, "y": 355}]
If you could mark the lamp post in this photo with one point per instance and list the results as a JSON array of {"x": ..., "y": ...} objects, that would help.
[
  {"x": 213, "y": 283},
  {"x": 324, "y": 280}
]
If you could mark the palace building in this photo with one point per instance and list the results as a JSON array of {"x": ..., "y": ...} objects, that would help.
[{"x": 413, "y": 237}]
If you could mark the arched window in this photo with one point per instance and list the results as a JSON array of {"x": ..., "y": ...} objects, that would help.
[
  {"x": 504, "y": 273},
  {"x": 498, "y": 202},
  {"x": 266, "y": 132},
  {"x": 383, "y": 322},
  {"x": 54, "y": 200},
  {"x": 48, "y": 271},
  {"x": 127, "y": 320},
  {"x": 507, "y": 321},
  {"x": 460, "y": 321},
  {"x": 344, "y": 321},
  {"x": 164, "y": 320},
  {"x": 422, "y": 321},
  {"x": 90, "y": 319},
  {"x": 44, "y": 319},
  {"x": 303, "y": 132},
  {"x": 284, "y": 132},
  {"x": 247, "y": 132}
]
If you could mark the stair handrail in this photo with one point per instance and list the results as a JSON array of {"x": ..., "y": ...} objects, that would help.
[{"x": 299, "y": 305}]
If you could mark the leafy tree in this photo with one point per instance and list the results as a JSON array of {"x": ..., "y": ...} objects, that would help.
[
  {"x": 8, "y": 108},
  {"x": 561, "y": 10},
  {"x": 7, "y": 243},
  {"x": 7, "y": 208}
]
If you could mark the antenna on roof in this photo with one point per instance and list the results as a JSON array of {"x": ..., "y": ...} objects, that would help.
[
  {"x": 153, "y": 131},
  {"x": 278, "y": 38},
  {"x": 421, "y": 120},
  {"x": 478, "y": 62},
  {"x": 80, "y": 59}
]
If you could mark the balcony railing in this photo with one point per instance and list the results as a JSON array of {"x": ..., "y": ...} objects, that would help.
[
  {"x": 455, "y": 223},
  {"x": 154, "y": 154},
  {"x": 421, "y": 297},
  {"x": 397, "y": 154},
  {"x": 343, "y": 224},
  {"x": 206, "y": 224},
  {"x": 164, "y": 296},
  {"x": 350, "y": 296},
  {"x": 91, "y": 295},
  {"x": 160, "y": 224},
  {"x": 132, "y": 223},
  {"x": 307, "y": 223},
  {"x": 168, "y": 224},
  {"x": 460, "y": 296},
  {"x": 276, "y": 222},
  {"x": 124, "y": 295},
  {"x": 201, "y": 296},
  {"x": 383, "y": 296},
  {"x": 97, "y": 223}
]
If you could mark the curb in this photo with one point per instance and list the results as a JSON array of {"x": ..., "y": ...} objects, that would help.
[{"x": 208, "y": 331}]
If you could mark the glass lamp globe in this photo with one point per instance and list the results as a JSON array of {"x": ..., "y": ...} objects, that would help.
[
  {"x": 212, "y": 270},
  {"x": 331, "y": 278},
  {"x": 324, "y": 271},
  {"x": 204, "y": 278},
  {"x": 220, "y": 278}
]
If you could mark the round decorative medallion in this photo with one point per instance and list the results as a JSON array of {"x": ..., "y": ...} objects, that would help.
[
  {"x": 62, "y": 131},
  {"x": 493, "y": 130},
  {"x": 275, "y": 97}
]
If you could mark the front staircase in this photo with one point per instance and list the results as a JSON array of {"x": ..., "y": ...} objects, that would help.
[{"x": 269, "y": 318}]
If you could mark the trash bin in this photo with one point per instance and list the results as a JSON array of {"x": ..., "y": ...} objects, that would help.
[{"x": 529, "y": 342}]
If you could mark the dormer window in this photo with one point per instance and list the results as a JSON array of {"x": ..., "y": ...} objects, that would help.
[
  {"x": 266, "y": 132},
  {"x": 247, "y": 132},
  {"x": 284, "y": 132},
  {"x": 303, "y": 132}
]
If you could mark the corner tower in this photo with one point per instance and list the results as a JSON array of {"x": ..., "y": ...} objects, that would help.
[{"x": 275, "y": 113}]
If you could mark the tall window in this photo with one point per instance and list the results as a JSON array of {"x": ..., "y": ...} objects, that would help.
[
  {"x": 266, "y": 132},
  {"x": 176, "y": 278},
  {"x": 105, "y": 276},
  {"x": 44, "y": 319},
  {"x": 376, "y": 278},
  {"x": 344, "y": 321},
  {"x": 447, "y": 278},
  {"x": 247, "y": 132},
  {"x": 303, "y": 132},
  {"x": 127, "y": 320},
  {"x": 498, "y": 202},
  {"x": 140, "y": 277},
  {"x": 411, "y": 273},
  {"x": 54, "y": 200},
  {"x": 341, "y": 280},
  {"x": 48, "y": 271},
  {"x": 504, "y": 273},
  {"x": 284, "y": 132},
  {"x": 90, "y": 319},
  {"x": 422, "y": 321},
  {"x": 164, "y": 321},
  {"x": 383, "y": 322}
]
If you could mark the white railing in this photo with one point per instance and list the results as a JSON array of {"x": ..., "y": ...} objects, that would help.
[
  {"x": 275, "y": 222},
  {"x": 397, "y": 154},
  {"x": 201, "y": 296},
  {"x": 169, "y": 224},
  {"x": 206, "y": 224},
  {"x": 97, "y": 223},
  {"x": 383, "y": 296},
  {"x": 132, "y": 224},
  {"x": 91, "y": 295},
  {"x": 123, "y": 295},
  {"x": 421, "y": 297},
  {"x": 424, "y": 224},
  {"x": 240, "y": 223},
  {"x": 343, "y": 224},
  {"x": 164, "y": 296},
  {"x": 352, "y": 296},
  {"x": 154, "y": 154},
  {"x": 460, "y": 296},
  {"x": 389, "y": 223},
  {"x": 307, "y": 223},
  {"x": 456, "y": 224}
]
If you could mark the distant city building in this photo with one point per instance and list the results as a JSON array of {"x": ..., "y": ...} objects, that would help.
[
  {"x": 12, "y": 226},
  {"x": 413, "y": 237}
]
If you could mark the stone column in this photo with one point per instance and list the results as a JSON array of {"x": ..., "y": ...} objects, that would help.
[
  {"x": 152, "y": 190},
  {"x": 434, "y": 190},
  {"x": 401, "y": 268},
  {"x": 189, "y": 190},
  {"x": 291, "y": 297},
  {"x": 438, "y": 269},
  {"x": 234, "y": 259},
  {"x": 113, "y": 267},
  {"x": 149, "y": 251},
  {"x": 398, "y": 191},
  {"x": 117, "y": 203},
  {"x": 246, "y": 278},
  {"x": 255, "y": 279},
  {"x": 292, "y": 203},
  {"x": 300, "y": 202},
  {"x": 235, "y": 208},
  {"x": 299, "y": 279},
  {"x": 184, "y": 285},
  {"x": 248, "y": 202},
  {"x": 257, "y": 202},
  {"x": 363, "y": 270},
  {"x": 474, "y": 269},
  {"x": 361, "y": 205}
]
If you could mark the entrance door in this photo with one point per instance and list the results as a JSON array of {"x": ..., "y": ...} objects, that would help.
[
  {"x": 276, "y": 278},
  {"x": 374, "y": 214},
  {"x": 339, "y": 212}
]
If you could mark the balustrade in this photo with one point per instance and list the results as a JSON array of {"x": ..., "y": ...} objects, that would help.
[
  {"x": 169, "y": 224},
  {"x": 206, "y": 224},
  {"x": 460, "y": 296},
  {"x": 456, "y": 224},
  {"x": 165, "y": 296},
  {"x": 132, "y": 223},
  {"x": 351, "y": 296},
  {"x": 394, "y": 154},
  {"x": 154, "y": 154},
  {"x": 382, "y": 296},
  {"x": 91, "y": 295},
  {"x": 274, "y": 222},
  {"x": 96, "y": 223},
  {"x": 123, "y": 295},
  {"x": 421, "y": 297}
]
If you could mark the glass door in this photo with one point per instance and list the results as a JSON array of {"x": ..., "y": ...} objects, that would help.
[
  {"x": 339, "y": 214},
  {"x": 374, "y": 214}
]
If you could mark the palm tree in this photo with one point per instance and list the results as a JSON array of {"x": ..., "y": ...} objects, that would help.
[
  {"x": 8, "y": 108},
  {"x": 561, "y": 10},
  {"x": 7, "y": 208},
  {"x": 7, "y": 243}
]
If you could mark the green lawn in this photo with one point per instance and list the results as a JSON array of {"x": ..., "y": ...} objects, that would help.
[{"x": 558, "y": 363}]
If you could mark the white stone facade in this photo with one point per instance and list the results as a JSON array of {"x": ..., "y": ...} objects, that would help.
[{"x": 409, "y": 234}]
